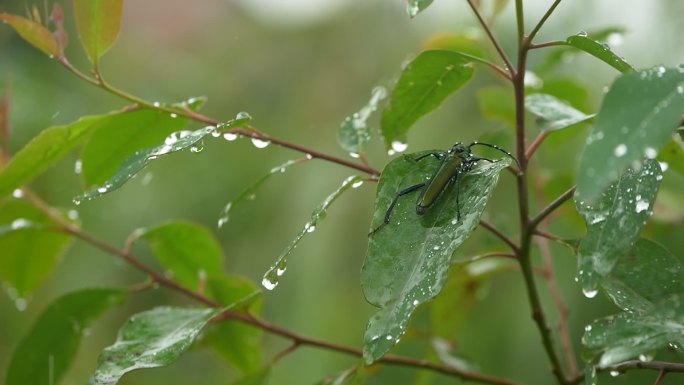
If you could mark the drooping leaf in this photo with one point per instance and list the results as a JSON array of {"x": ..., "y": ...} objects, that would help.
[
  {"x": 414, "y": 7},
  {"x": 272, "y": 276},
  {"x": 553, "y": 114},
  {"x": 638, "y": 116},
  {"x": 151, "y": 339},
  {"x": 30, "y": 247},
  {"x": 187, "y": 250},
  {"x": 98, "y": 23},
  {"x": 614, "y": 222},
  {"x": 355, "y": 375},
  {"x": 46, "y": 352},
  {"x": 112, "y": 143},
  {"x": 130, "y": 167},
  {"x": 249, "y": 192},
  {"x": 423, "y": 85},
  {"x": 34, "y": 33},
  {"x": 599, "y": 51},
  {"x": 258, "y": 377},
  {"x": 237, "y": 342},
  {"x": 354, "y": 132},
  {"x": 444, "y": 352},
  {"x": 497, "y": 103},
  {"x": 408, "y": 259}
]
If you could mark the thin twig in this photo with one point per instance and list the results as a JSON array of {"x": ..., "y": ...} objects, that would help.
[
  {"x": 541, "y": 22},
  {"x": 493, "y": 39},
  {"x": 661, "y": 377},
  {"x": 548, "y": 44},
  {"x": 499, "y": 234},
  {"x": 551, "y": 208},
  {"x": 536, "y": 143}
]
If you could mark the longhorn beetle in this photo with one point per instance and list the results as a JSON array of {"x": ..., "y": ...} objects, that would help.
[{"x": 458, "y": 160}]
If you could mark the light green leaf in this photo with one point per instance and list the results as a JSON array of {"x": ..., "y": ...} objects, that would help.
[
  {"x": 599, "y": 51},
  {"x": 614, "y": 222},
  {"x": 151, "y": 339},
  {"x": 638, "y": 116},
  {"x": 272, "y": 276},
  {"x": 112, "y": 143},
  {"x": 408, "y": 259},
  {"x": 423, "y": 85},
  {"x": 354, "y": 133},
  {"x": 30, "y": 247},
  {"x": 497, "y": 103},
  {"x": 34, "y": 33},
  {"x": 673, "y": 155},
  {"x": 130, "y": 167},
  {"x": 414, "y": 7},
  {"x": 553, "y": 114},
  {"x": 258, "y": 377},
  {"x": 46, "y": 352},
  {"x": 98, "y": 23}
]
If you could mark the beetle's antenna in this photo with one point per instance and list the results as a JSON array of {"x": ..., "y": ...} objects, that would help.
[{"x": 496, "y": 148}]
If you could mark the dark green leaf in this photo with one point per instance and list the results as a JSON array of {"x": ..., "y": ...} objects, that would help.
[
  {"x": 599, "y": 51},
  {"x": 46, "y": 352},
  {"x": 151, "y": 339},
  {"x": 34, "y": 33},
  {"x": 423, "y": 85},
  {"x": 644, "y": 277},
  {"x": 30, "y": 247},
  {"x": 416, "y": 6},
  {"x": 638, "y": 116},
  {"x": 115, "y": 141},
  {"x": 130, "y": 167},
  {"x": 408, "y": 260},
  {"x": 564, "y": 54},
  {"x": 497, "y": 103},
  {"x": 272, "y": 276},
  {"x": 98, "y": 23},
  {"x": 354, "y": 133},
  {"x": 553, "y": 114},
  {"x": 187, "y": 250},
  {"x": 614, "y": 222},
  {"x": 237, "y": 342},
  {"x": 48, "y": 147}
]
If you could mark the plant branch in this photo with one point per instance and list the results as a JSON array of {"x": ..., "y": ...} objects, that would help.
[
  {"x": 554, "y": 43},
  {"x": 500, "y": 235},
  {"x": 536, "y": 143},
  {"x": 495, "y": 42},
  {"x": 4, "y": 126},
  {"x": 532, "y": 224},
  {"x": 541, "y": 22}
]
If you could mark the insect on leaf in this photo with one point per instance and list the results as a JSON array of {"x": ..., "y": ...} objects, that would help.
[{"x": 408, "y": 259}]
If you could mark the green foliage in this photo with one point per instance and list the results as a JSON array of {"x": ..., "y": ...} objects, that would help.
[
  {"x": 98, "y": 23},
  {"x": 33, "y": 32},
  {"x": 553, "y": 114},
  {"x": 599, "y": 51}
]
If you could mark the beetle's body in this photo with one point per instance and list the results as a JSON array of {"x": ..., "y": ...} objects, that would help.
[{"x": 453, "y": 163}]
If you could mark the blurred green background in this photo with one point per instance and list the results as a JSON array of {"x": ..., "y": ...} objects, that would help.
[{"x": 299, "y": 68}]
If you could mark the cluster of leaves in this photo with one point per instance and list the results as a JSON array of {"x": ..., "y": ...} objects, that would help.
[{"x": 408, "y": 263}]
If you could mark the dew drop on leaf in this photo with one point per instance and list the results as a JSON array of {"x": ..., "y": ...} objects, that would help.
[
  {"x": 620, "y": 150},
  {"x": 18, "y": 193},
  {"x": 589, "y": 293}
]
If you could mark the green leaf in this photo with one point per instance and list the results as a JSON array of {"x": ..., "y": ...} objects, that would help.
[
  {"x": 354, "y": 133},
  {"x": 272, "y": 276},
  {"x": 31, "y": 248},
  {"x": 599, "y": 51},
  {"x": 259, "y": 377},
  {"x": 353, "y": 376},
  {"x": 34, "y": 33},
  {"x": 638, "y": 116},
  {"x": 48, "y": 147},
  {"x": 187, "y": 250},
  {"x": 151, "y": 339},
  {"x": 130, "y": 167},
  {"x": 98, "y": 23},
  {"x": 497, "y": 103},
  {"x": 553, "y": 114},
  {"x": 250, "y": 192},
  {"x": 46, "y": 352},
  {"x": 673, "y": 155},
  {"x": 614, "y": 222},
  {"x": 569, "y": 90},
  {"x": 467, "y": 43},
  {"x": 112, "y": 143},
  {"x": 499, "y": 6},
  {"x": 237, "y": 342},
  {"x": 632, "y": 334},
  {"x": 408, "y": 260},
  {"x": 644, "y": 277},
  {"x": 414, "y": 7},
  {"x": 423, "y": 85}
]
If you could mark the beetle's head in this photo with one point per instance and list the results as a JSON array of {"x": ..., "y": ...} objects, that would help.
[{"x": 458, "y": 148}]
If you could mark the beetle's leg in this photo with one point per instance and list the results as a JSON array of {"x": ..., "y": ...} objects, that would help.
[
  {"x": 437, "y": 155},
  {"x": 403, "y": 192},
  {"x": 458, "y": 197},
  {"x": 476, "y": 158}
]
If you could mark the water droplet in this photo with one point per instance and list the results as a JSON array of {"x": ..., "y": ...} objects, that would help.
[
  {"x": 173, "y": 116},
  {"x": 197, "y": 147},
  {"x": 269, "y": 283},
  {"x": 398, "y": 146},
  {"x": 20, "y": 304},
  {"x": 309, "y": 156},
  {"x": 72, "y": 214},
  {"x": 587, "y": 328},
  {"x": 354, "y": 155},
  {"x": 641, "y": 205},
  {"x": 258, "y": 143},
  {"x": 229, "y": 136},
  {"x": 156, "y": 104},
  {"x": 650, "y": 152},
  {"x": 102, "y": 189},
  {"x": 18, "y": 193},
  {"x": 222, "y": 221},
  {"x": 309, "y": 228},
  {"x": 281, "y": 268},
  {"x": 20, "y": 223},
  {"x": 620, "y": 150},
  {"x": 663, "y": 166},
  {"x": 614, "y": 373},
  {"x": 589, "y": 293},
  {"x": 660, "y": 71},
  {"x": 216, "y": 134},
  {"x": 645, "y": 357},
  {"x": 243, "y": 115},
  {"x": 388, "y": 337},
  {"x": 615, "y": 39},
  {"x": 582, "y": 33},
  {"x": 78, "y": 167},
  {"x": 416, "y": 302},
  {"x": 357, "y": 184},
  {"x": 77, "y": 201}
]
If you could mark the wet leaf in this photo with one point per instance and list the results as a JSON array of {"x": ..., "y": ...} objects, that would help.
[
  {"x": 98, "y": 23},
  {"x": 614, "y": 222},
  {"x": 354, "y": 132},
  {"x": 414, "y": 7},
  {"x": 46, "y": 352},
  {"x": 599, "y": 51},
  {"x": 30, "y": 247},
  {"x": 353, "y": 376},
  {"x": 408, "y": 259},
  {"x": 552, "y": 113},
  {"x": 177, "y": 141},
  {"x": 468, "y": 43},
  {"x": 423, "y": 85},
  {"x": 188, "y": 251},
  {"x": 272, "y": 276},
  {"x": 34, "y": 33},
  {"x": 638, "y": 116},
  {"x": 151, "y": 339}
]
